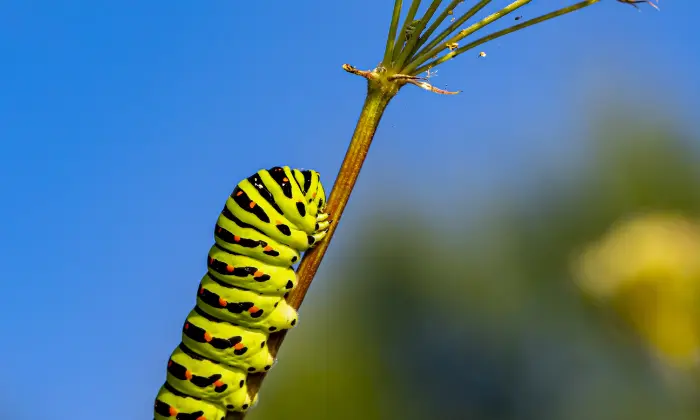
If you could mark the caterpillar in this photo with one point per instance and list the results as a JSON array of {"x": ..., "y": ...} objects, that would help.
[{"x": 269, "y": 219}]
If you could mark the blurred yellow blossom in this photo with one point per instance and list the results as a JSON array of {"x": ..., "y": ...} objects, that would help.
[{"x": 648, "y": 269}]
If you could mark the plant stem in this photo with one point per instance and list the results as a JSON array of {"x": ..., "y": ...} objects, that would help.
[
  {"x": 441, "y": 17},
  {"x": 379, "y": 94},
  {"x": 402, "y": 34},
  {"x": 389, "y": 52},
  {"x": 503, "y": 32},
  {"x": 426, "y": 55},
  {"x": 425, "y": 51},
  {"x": 412, "y": 43}
]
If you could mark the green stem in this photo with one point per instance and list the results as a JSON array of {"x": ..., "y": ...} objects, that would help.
[
  {"x": 379, "y": 94},
  {"x": 389, "y": 52},
  {"x": 426, "y": 55},
  {"x": 402, "y": 34},
  {"x": 506, "y": 31},
  {"x": 437, "y": 22},
  {"x": 411, "y": 45}
]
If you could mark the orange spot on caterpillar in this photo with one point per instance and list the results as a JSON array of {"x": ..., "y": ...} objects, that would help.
[
  {"x": 253, "y": 309},
  {"x": 207, "y": 337},
  {"x": 188, "y": 375},
  {"x": 238, "y": 346},
  {"x": 187, "y": 325},
  {"x": 230, "y": 268},
  {"x": 211, "y": 260},
  {"x": 172, "y": 411},
  {"x": 258, "y": 273},
  {"x": 252, "y": 204},
  {"x": 239, "y": 193},
  {"x": 201, "y": 418},
  {"x": 170, "y": 363},
  {"x": 278, "y": 222},
  {"x": 236, "y": 238},
  {"x": 267, "y": 248},
  {"x": 219, "y": 383},
  {"x": 313, "y": 195},
  {"x": 285, "y": 179},
  {"x": 222, "y": 302},
  {"x": 201, "y": 290}
]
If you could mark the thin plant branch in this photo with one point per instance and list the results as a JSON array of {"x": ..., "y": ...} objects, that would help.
[
  {"x": 412, "y": 44},
  {"x": 422, "y": 58},
  {"x": 389, "y": 52},
  {"x": 367, "y": 74},
  {"x": 503, "y": 32},
  {"x": 431, "y": 88},
  {"x": 635, "y": 2},
  {"x": 441, "y": 18},
  {"x": 402, "y": 79},
  {"x": 401, "y": 38},
  {"x": 425, "y": 53}
]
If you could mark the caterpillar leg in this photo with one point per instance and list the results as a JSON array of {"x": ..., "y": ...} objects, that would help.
[
  {"x": 322, "y": 216},
  {"x": 283, "y": 317},
  {"x": 321, "y": 230},
  {"x": 322, "y": 226},
  {"x": 319, "y": 235}
]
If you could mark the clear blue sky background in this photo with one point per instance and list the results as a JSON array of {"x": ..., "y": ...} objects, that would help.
[{"x": 124, "y": 125}]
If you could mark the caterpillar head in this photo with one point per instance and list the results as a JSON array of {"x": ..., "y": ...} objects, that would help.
[{"x": 310, "y": 182}]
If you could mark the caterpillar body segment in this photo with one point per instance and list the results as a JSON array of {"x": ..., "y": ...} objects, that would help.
[
  {"x": 192, "y": 374},
  {"x": 247, "y": 273},
  {"x": 296, "y": 208},
  {"x": 237, "y": 237},
  {"x": 226, "y": 343},
  {"x": 244, "y": 307},
  {"x": 174, "y": 405},
  {"x": 269, "y": 219}
]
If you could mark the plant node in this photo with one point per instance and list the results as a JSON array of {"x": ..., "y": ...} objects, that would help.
[{"x": 391, "y": 83}]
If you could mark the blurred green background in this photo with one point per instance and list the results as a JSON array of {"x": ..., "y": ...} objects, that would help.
[{"x": 432, "y": 311}]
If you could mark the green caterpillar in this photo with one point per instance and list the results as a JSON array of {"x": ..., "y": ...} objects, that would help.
[{"x": 269, "y": 219}]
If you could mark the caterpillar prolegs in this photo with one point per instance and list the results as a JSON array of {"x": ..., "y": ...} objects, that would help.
[{"x": 269, "y": 219}]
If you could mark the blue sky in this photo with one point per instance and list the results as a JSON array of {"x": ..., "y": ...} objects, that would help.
[{"x": 124, "y": 125}]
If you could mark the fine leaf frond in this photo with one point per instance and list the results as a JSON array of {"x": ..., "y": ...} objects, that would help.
[
  {"x": 427, "y": 55},
  {"x": 441, "y": 18},
  {"x": 389, "y": 51},
  {"x": 503, "y": 32},
  {"x": 411, "y": 45},
  {"x": 423, "y": 55},
  {"x": 401, "y": 36}
]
